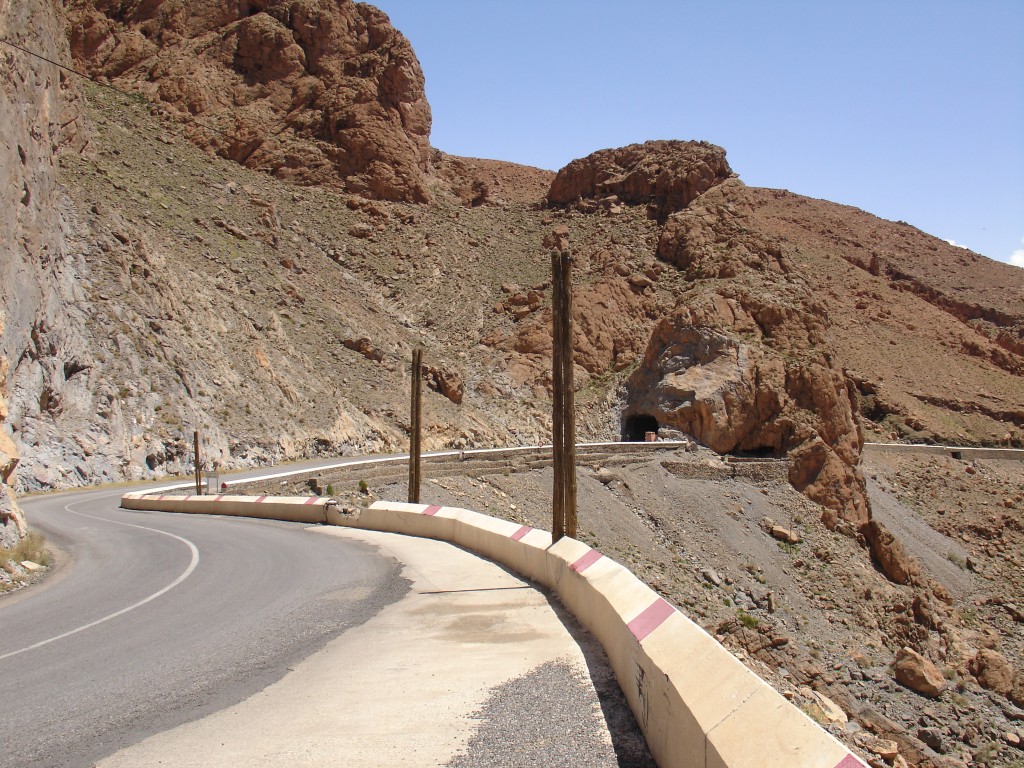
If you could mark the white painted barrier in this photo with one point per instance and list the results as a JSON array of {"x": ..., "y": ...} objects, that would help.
[
  {"x": 697, "y": 704},
  {"x": 955, "y": 451}
]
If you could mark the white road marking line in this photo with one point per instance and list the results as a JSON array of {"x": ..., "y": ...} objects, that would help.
[{"x": 188, "y": 572}]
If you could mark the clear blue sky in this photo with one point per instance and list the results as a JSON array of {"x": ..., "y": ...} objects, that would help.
[{"x": 911, "y": 110}]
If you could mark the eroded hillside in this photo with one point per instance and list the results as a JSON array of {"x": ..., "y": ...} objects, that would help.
[{"x": 278, "y": 318}]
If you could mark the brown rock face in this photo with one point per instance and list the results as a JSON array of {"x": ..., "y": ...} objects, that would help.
[
  {"x": 745, "y": 362},
  {"x": 917, "y": 673},
  {"x": 312, "y": 91},
  {"x": 890, "y": 555},
  {"x": 934, "y": 332},
  {"x": 665, "y": 175}
]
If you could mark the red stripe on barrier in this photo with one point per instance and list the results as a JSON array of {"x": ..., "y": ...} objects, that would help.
[
  {"x": 261, "y": 498},
  {"x": 520, "y": 533},
  {"x": 160, "y": 497},
  {"x": 187, "y": 497},
  {"x": 586, "y": 561},
  {"x": 433, "y": 509},
  {"x": 850, "y": 762},
  {"x": 218, "y": 497},
  {"x": 312, "y": 500},
  {"x": 651, "y": 618}
]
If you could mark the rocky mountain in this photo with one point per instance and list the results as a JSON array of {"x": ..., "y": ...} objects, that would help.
[
  {"x": 748, "y": 318},
  {"x": 226, "y": 253},
  {"x": 249, "y": 233}
]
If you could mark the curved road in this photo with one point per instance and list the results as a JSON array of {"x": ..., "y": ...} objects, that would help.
[{"x": 160, "y": 619}]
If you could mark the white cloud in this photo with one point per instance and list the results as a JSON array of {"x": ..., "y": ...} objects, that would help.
[
  {"x": 1017, "y": 257},
  {"x": 955, "y": 244}
]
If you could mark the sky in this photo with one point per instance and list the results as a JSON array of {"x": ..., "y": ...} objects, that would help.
[{"x": 911, "y": 110}]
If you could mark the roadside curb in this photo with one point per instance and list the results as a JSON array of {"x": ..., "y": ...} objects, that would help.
[{"x": 697, "y": 704}]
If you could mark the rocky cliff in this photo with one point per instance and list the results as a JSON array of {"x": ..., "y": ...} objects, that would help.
[
  {"x": 313, "y": 92},
  {"x": 40, "y": 117}
]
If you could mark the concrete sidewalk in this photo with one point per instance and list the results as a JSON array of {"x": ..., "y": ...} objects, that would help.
[{"x": 401, "y": 689}]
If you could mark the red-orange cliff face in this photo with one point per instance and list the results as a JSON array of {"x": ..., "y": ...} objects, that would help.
[{"x": 313, "y": 92}]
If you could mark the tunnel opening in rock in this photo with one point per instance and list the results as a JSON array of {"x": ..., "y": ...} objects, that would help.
[
  {"x": 636, "y": 426},
  {"x": 762, "y": 452}
]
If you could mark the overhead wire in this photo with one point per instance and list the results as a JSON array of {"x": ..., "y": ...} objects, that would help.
[{"x": 86, "y": 76}]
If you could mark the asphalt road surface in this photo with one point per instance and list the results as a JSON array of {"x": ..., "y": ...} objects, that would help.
[{"x": 160, "y": 619}]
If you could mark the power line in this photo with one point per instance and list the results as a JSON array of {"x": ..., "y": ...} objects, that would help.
[{"x": 90, "y": 78}]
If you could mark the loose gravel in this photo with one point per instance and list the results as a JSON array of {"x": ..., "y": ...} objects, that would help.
[{"x": 519, "y": 729}]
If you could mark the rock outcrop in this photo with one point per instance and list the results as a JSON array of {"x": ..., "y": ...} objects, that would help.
[
  {"x": 313, "y": 92},
  {"x": 745, "y": 362},
  {"x": 40, "y": 117},
  {"x": 992, "y": 671},
  {"x": 664, "y": 175}
]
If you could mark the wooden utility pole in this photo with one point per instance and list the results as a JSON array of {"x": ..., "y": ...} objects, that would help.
[
  {"x": 557, "y": 403},
  {"x": 563, "y": 407},
  {"x": 199, "y": 472},
  {"x": 415, "y": 426}
]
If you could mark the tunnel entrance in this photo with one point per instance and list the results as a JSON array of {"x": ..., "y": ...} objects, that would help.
[
  {"x": 635, "y": 426},
  {"x": 763, "y": 452}
]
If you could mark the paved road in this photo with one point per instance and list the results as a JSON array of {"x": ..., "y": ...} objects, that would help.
[
  {"x": 160, "y": 619},
  {"x": 188, "y": 640}
]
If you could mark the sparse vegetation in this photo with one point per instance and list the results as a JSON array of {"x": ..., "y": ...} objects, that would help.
[
  {"x": 32, "y": 548},
  {"x": 747, "y": 620}
]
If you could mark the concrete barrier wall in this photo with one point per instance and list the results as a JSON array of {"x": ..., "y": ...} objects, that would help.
[
  {"x": 966, "y": 453},
  {"x": 430, "y": 460},
  {"x": 697, "y": 704}
]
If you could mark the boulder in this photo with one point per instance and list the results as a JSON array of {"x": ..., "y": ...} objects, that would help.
[
  {"x": 445, "y": 381},
  {"x": 914, "y": 671},
  {"x": 992, "y": 671}
]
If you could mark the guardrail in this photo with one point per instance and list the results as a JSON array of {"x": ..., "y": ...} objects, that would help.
[
  {"x": 697, "y": 704},
  {"x": 954, "y": 451},
  {"x": 435, "y": 458}
]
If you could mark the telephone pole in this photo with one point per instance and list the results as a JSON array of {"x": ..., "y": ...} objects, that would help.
[
  {"x": 563, "y": 406},
  {"x": 198, "y": 463},
  {"x": 415, "y": 426}
]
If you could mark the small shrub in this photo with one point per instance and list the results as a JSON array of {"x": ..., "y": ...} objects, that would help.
[
  {"x": 330, "y": 489},
  {"x": 748, "y": 621},
  {"x": 363, "y": 487}
]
